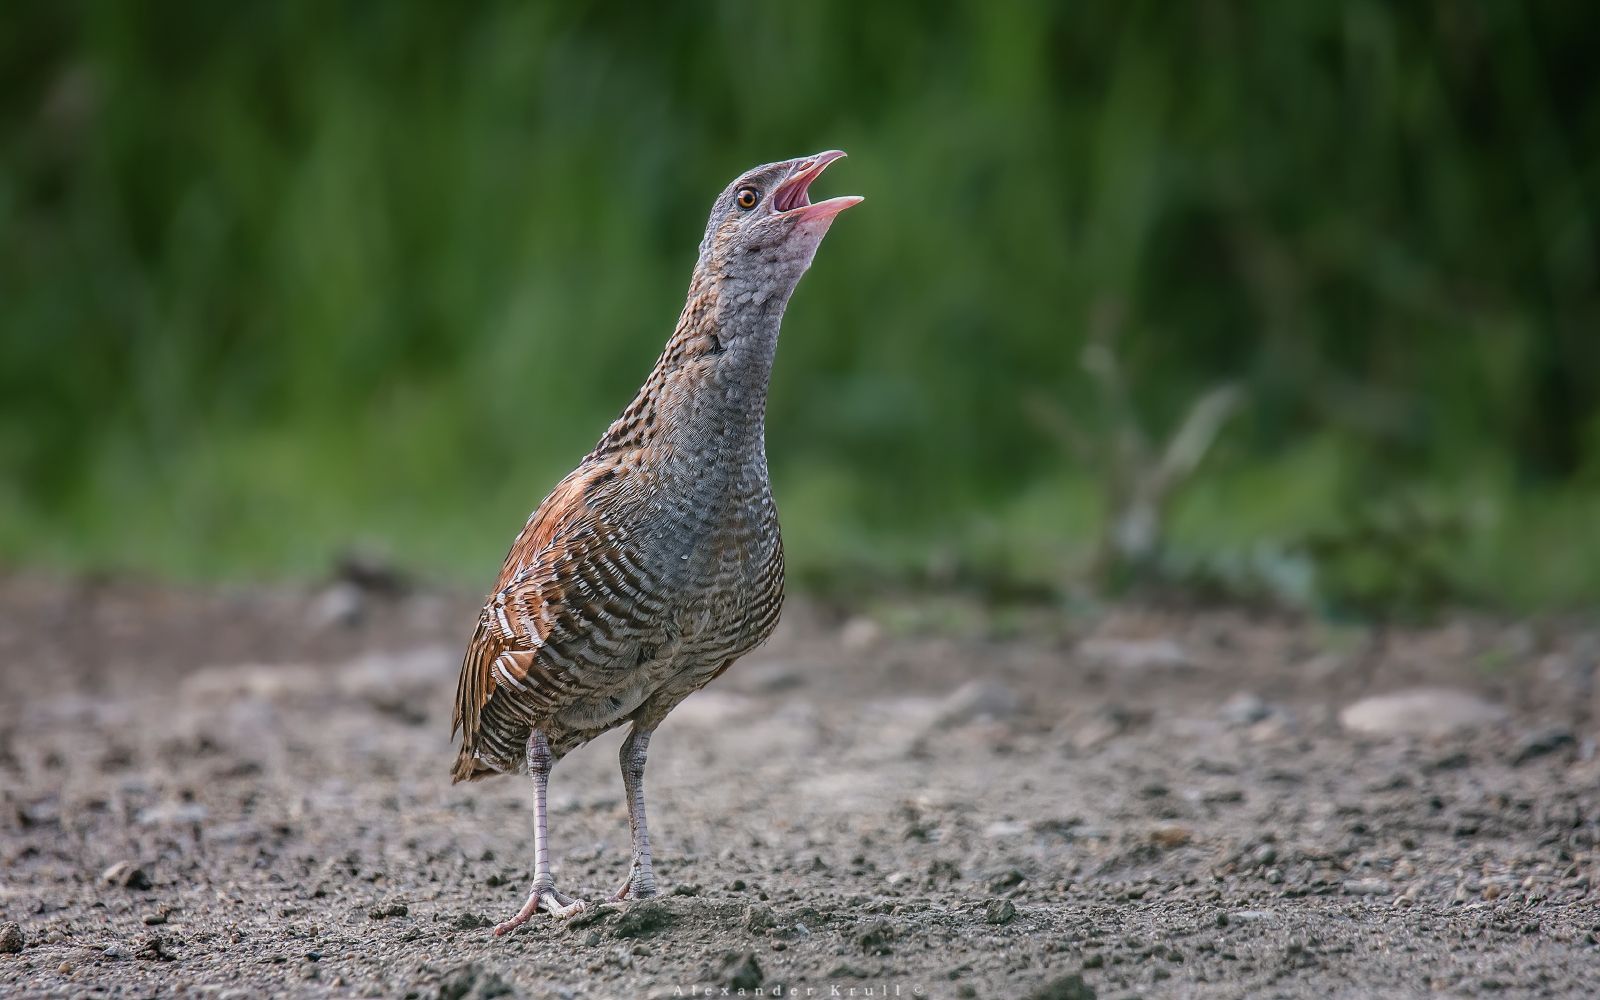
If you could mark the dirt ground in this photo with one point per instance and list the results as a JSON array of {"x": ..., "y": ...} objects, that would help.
[{"x": 244, "y": 793}]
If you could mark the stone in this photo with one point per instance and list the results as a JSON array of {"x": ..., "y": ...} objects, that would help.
[
  {"x": 127, "y": 875},
  {"x": 1071, "y": 987},
  {"x": 999, "y": 911},
  {"x": 11, "y": 939},
  {"x": 1135, "y": 654},
  {"x": 1420, "y": 712},
  {"x": 974, "y": 700},
  {"x": 759, "y": 918},
  {"x": 741, "y": 971},
  {"x": 874, "y": 937},
  {"x": 1541, "y": 742},
  {"x": 473, "y": 982},
  {"x": 1244, "y": 709}
]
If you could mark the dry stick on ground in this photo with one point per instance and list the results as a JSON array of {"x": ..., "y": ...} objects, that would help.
[{"x": 1138, "y": 478}]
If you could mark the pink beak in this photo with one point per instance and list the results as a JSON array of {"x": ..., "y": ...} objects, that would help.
[{"x": 791, "y": 195}]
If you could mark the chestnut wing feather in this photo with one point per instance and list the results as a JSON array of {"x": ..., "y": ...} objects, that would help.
[{"x": 569, "y": 613}]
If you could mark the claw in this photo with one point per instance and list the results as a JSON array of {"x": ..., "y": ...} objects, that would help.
[{"x": 558, "y": 904}]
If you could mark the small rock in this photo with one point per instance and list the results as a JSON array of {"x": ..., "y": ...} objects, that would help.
[
  {"x": 172, "y": 813},
  {"x": 1420, "y": 712},
  {"x": 340, "y": 605},
  {"x": 1064, "y": 988},
  {"x": 1134, "y": 654},
  {"x": 643, "y": 920},
  {"x": 11, "y": 939},
  {"x": 154, "y": 949},
  {"x": 391, "y": 910},
  {"x": 1366, "y": 887},
  {"x": 472, "y": 982},
  {"x": 874, "y": 937},
  {"x": 470, "y": 921},
  {"x": 127, "y": 875},
  {"x": 999, "y": 911},
  {"x": 1171, "y": 837},
  {"x": 741, "y": 971},
  {"x": 1541, "y": 742},
  {"x": 974, "y": 700},
  {"x": 758, "y": 918},
  {"x": 1244, "y": 709},
  {"x": 153, "y": 919},
  {"x": 1008, "y": 879},
  {"x": 860, "y": 633},
  {"x": 685, "y": 889},
  {"x": 114, "y": 952},
  {"x": 772, "y": 678},
  {"x": 1106, "y": 725}
]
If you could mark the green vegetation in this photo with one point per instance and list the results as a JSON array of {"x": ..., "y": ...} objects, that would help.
[{"x": 279, "y": 277}]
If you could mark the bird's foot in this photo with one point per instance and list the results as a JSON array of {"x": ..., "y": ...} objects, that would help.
[
  {"x": 547, "y": 897},
  {"x": 635, "y": 887}
]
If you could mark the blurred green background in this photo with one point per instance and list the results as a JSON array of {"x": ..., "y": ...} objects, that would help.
[{"x": 276, "y": 279}]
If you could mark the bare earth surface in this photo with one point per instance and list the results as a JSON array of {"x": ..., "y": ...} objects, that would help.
[{"x": 1158, "y": 803}]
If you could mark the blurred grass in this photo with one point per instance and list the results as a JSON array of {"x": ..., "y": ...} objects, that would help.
[{"x": 279, "y": 277}]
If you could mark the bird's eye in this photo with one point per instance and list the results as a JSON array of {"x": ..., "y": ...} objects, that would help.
[{"x": 747, "y": 198}]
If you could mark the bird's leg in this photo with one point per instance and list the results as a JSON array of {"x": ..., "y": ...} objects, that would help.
[
  {"x": 641, "y": 881},
  {"x": 544, "y": 892}
]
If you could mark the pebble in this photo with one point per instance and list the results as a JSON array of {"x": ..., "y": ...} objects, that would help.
[
  {"x": 1540, "y": 743},
  {"x": 1366, "y": 887},
  {"x": 1134, "y": 654},
  {"x": 874, "y": 937},
  {"x": 127, "y": 875},
  {"x": 341, "y": 605},
  {"x": 1008, "y": 879},
  {"x": 741, "y": 971},
  {"x": 11, "y": 939},
  {"x": 999, "y": 911},
  {"x": 172, "y": 813},
  {"x": 1420, "y": 712},
  {"x": 758, "y": 918},
  {"x": 1070, "y": 987},
  {"x": 974, "y": 700},
  {"x": 1244, "y": 709}
]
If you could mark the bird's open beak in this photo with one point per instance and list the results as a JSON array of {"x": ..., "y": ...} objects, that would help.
[{"x": 791, "y": 195}]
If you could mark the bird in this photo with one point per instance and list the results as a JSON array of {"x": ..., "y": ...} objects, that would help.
[{"x": 658, "y": 561}]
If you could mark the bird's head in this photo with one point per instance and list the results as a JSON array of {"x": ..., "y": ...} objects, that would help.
[{"x": 764, "y": 230}]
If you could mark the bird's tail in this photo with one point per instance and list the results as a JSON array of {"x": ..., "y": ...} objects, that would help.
[{"x": 469, "y": 768}]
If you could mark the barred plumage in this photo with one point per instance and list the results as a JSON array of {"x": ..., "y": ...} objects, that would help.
[{"x": 658, "y": 561}]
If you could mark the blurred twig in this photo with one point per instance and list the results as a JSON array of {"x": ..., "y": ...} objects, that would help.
[{"x": 1138, "y": 476}]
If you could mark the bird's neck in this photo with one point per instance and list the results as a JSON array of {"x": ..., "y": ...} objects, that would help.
[{"x": 707, "y": 395}]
